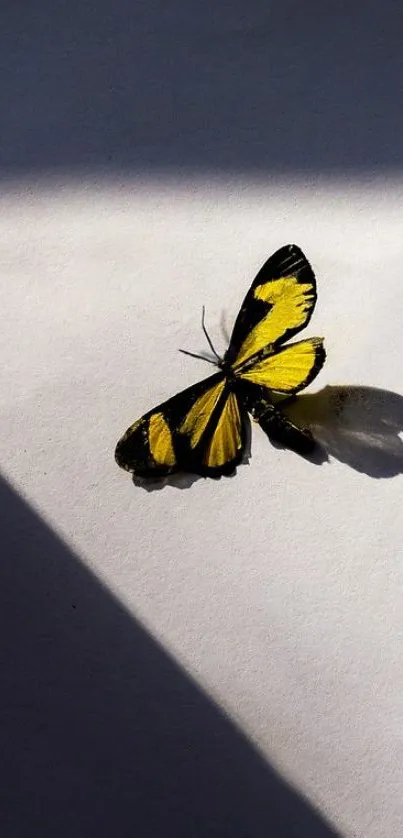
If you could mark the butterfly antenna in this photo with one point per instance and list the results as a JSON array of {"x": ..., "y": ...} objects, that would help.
[
  {"x": 193, "y": 355},
  {"x": 210, "y": 342}
]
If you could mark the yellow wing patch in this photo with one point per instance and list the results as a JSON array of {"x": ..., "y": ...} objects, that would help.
[
  {"x": 199, "y": 414},
  {"x": 226, "y": 441},
  {"x": 290, "y": 369},
  {"x": 160, "y": 440},
  {"x": 291, "y": 303}
]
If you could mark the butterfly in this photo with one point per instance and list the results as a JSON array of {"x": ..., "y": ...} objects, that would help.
[{"x": 204, "y": 429}]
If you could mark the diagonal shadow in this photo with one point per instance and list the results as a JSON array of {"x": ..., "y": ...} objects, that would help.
[
  {"x": 102, "y": 733},
  {"x": 360, "y": 426}
]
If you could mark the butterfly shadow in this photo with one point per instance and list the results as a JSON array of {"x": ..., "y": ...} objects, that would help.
[
  {"x": 359, "y": 426},
  {"x": 180, "y": 480},
  {"x": 224, "y": 328}
]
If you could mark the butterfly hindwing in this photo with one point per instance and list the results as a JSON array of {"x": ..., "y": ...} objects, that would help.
[
  {"x": 288, "y": 370},
  {"x": 277, "y": 306},
  {"x": 201, "y": 430}
]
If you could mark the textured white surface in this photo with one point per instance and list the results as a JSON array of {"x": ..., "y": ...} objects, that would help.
[
  {"x": 281, "y": 589},
  {"x": 152, "y": 156}
]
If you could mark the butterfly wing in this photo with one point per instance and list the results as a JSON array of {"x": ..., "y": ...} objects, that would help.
[
  {"x": 277, "y": 306},
  {"x": 200, "y": 430},
  {"x": 285, "y": 372},
  {"x": 289, "y": 370}
]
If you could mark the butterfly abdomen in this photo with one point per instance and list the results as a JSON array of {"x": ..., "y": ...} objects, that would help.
[{"x": 279, "y": 428}]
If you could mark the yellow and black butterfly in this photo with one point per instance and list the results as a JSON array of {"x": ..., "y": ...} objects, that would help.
[{"x": 204, "y": 429}]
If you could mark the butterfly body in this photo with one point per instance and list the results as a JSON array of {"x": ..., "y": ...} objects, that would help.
[{"x": 204, "y": 429}]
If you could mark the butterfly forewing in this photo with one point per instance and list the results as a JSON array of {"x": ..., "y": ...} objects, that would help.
[
  {"x": 278, "y": 305},
  {"x": 201, "y": 430},
  {"x": 148, "y": 446}
]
